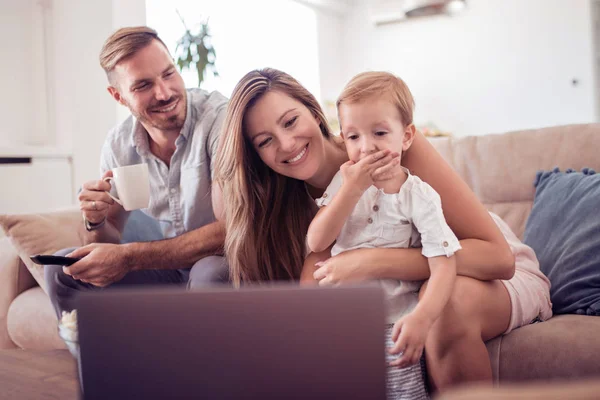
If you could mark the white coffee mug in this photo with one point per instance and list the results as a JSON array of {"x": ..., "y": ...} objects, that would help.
[{"x": 132, "y": 184}]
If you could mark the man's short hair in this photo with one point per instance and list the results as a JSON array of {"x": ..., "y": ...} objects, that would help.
[{"x": 123, "y": 44}]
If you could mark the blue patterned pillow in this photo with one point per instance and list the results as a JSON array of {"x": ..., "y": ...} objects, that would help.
[{"x": 564, "y": 231}]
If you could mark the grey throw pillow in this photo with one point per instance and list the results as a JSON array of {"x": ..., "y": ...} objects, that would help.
[{"x": 564, "y": 231}]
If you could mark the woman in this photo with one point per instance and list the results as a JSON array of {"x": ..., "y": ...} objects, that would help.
[{"x": 277, "y": 155}]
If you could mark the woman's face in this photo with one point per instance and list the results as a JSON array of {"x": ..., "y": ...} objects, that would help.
[{"x": 286, "y": 135}]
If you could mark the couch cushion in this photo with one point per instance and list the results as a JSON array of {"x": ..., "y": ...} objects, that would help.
[
  {"x": 580, "y": 389},
  {"x": 47, "y": 233},
  {"x": 564, "y": 231},
  {"x": 41, "y": 234},
  {"x": 500, "y": 168},
  {"x": 564, "y": 347},
  {"x": 32, "y": 322},
  {"x": 11, "y": 278}
]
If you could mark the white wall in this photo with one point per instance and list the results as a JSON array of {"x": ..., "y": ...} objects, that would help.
[
  {"x": 330, "y": 25},
  {"x": 55, "y": 105},
  {"x": 84, "y": 111},
  {"x": 245, "y": 37},
  {"x": 18, "y": 73},
  {"x": 500, "y": 65},
  {"x": 127, "y": 13}
]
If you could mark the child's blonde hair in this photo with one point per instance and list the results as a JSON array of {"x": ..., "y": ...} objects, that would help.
[{"x": 378, "y": 83}]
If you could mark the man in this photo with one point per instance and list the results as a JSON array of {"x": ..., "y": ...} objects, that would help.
[{"x": 175, "y": 132}]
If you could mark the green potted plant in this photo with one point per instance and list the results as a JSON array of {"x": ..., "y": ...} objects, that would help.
[{"x": 195, "y": 51}]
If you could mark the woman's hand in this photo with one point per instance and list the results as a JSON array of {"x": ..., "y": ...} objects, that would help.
[
  {"x": 344, "y": 268},
  {"x": 409, "y": 335}
]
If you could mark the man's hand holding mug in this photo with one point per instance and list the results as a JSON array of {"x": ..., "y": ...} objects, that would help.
[
  {"x": 132, "y": 186},
  {"x": 94, "y": 200}
]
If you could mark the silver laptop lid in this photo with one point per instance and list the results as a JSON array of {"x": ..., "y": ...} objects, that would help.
[{"x": 255, "y": 343}]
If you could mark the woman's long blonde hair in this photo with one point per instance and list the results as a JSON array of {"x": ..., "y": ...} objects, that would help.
[{"x": 266, "y": 214}]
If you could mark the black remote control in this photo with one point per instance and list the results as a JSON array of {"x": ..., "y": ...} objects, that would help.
[{"x": 53, "y": 260}]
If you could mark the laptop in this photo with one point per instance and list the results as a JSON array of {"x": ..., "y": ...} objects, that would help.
[{"x": 274, "y": 342}]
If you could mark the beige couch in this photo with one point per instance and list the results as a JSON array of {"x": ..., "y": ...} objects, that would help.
[{"x": 499, "y": 168}]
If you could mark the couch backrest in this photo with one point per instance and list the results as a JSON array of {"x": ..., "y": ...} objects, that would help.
[{"x": 501, "y": 168}]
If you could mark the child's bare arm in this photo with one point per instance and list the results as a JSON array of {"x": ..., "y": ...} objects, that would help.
[
  {"x": 329, "y": 221},
  {"x": 439, "y": 246},
  {"x": 356, "y": 178},
  {"x": 439, "y": 288},
  {"x": 410, "y": 332}
]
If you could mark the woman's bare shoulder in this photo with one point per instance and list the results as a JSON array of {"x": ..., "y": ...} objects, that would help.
[{"x": 463, "y": 211}]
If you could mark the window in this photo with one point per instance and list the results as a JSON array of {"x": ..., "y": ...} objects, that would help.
[{"x": 246, "y": 35}]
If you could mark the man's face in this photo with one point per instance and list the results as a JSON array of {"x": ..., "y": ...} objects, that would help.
[{"x": 150, "y": 86}]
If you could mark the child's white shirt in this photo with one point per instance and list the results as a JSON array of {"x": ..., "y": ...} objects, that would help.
[{"x": 396, "y": 220}]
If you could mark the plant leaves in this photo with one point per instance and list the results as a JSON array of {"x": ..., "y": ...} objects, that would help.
[{"x": 196, "y": 51}]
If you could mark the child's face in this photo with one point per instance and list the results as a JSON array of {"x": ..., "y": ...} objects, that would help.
[{"x": 372, "y": 125}]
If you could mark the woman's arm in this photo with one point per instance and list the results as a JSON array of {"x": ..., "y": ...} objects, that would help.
[
  {"x": 409, "y": 264},
  {"x": 485, "y": 253},
  {"x": 309, "y": 268}
]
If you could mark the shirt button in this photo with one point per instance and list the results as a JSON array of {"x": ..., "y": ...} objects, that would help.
[
  {"x": 173, "y": 190},
  {"x": 370, "y": 220},
  {"x": 324, "y": 195},
  {"x": 375, "y": 207},
  {"x": 445, "y": 244}
]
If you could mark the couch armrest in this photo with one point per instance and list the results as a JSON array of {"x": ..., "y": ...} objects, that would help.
[
  {"x": 42, "y": 233},
  {"x": 14, "y": 279}
]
